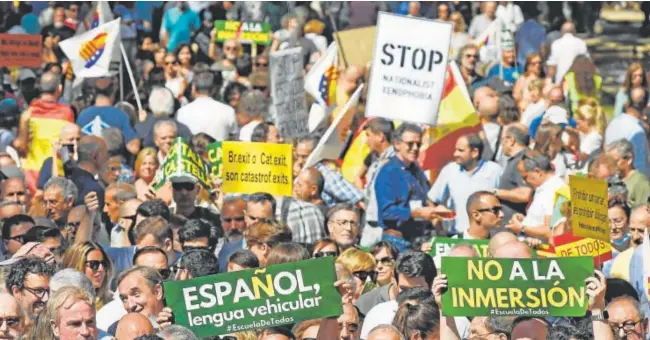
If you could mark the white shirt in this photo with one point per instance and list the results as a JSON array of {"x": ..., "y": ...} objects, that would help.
[
  {"x": 454, "y": 185},
  {"x": 110, "y": 313},
  {"x": 533, "y": 110},
  {"x": 590, "y": 142},
  {"x": 209, "y": 116},
  {"x": 542, "y": 204},
  {"x": 563, "y": 51},
  {"x": 510, "y": 15},
  {"x": 246, "y": 131}
]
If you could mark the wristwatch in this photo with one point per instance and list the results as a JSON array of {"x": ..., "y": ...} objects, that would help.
[{"x": 600, "y": 316}]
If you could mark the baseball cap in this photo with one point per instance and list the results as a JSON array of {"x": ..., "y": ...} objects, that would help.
[
  {"x": 183, "y": 178},
  {"x": 11, "y": 171}
]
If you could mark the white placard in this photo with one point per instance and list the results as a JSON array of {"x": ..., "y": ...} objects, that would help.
[
  {"x": 408, "y": 68},
  {"x": 288, "y": 93}
]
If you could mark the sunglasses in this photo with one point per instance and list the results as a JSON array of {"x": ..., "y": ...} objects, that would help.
[
  {"x": 171, "y": 62},
  {"x": 494, "y": 210},
  {"x": 236, "y": 219},
  {"x": 19, "y": 238},
  {"x": 94, "y": 264},
  {"x": 363, "y": 275},
  {"x": 386, "y": 261},
  {"x": 165, "y": 273},
  {"x": 320, "y": 254},
  {"x": 412, "y": 145},
  {"x": 259, "y": 88},
  {"x": 261, "y": 64},
  {"x": 183, "y": 186},
  {"x": 472, "y": 56}
]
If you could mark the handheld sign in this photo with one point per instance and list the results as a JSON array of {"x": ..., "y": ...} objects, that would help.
[
  {"x": 21, "y": 50},
  {"x": 569, "y": 245},
  {"x": 248, "y": 32},
  {"x": 255, "y": 298},
  {"x": 408, "y": 68},
  {"x": 589, "y": 208},
  {"x": 182, "y": 161},
  {"x": 442, "y": 245},
  {"x": 288, "y": 93},
  {"x": 516, "y": 287},
  {"x": 215, "y": 158},
  {"x": 253, "y": 167}
]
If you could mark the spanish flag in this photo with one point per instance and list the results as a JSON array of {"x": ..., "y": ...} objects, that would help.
[
  {"x": 356, "y": 153},
  {"x": 456, "y": 117}
]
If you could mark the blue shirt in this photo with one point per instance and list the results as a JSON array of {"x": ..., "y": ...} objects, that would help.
[
  {"x": 227, "y": 250},
  {"x": 29, "y": 22},
  {"x": 396, "y": 186},
  {"x": 108, "y": 117},
  {"x": 529, "y": 38},
  {"x": 510, "y": 74},
  {"x": 534, "y": 125},
  {"x": 630, "y": 128},
  {"x": 636, "y": 279},
  {"x": 180, "y": 26},
  {"x": 454, "y": 185}
]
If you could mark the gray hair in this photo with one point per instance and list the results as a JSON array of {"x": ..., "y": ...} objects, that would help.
[
  {"x": 177, "y": 332},
  {"x": 623, "y": 147},
  {"x": 385, "y": 328},
  {"x": 342, "y": 207},
  {"x": 636, "y": 304},
  {"x": 406, "y": 127},
  {"x": 151, "y": 276},
  {"x": 68, "y": 188},
  {"x": 536, "y": 160},
  {"x": 499, "y": 324},
  {"x": 159, "y": 124},
  {"x": 520, "y": 135},
  {"x": 161, "y": 102},
  {"x": 232, "y": 199},
  {"x": 203, "y": 82},
  {"x": 114, "y": 139},
  {"x": 50, "y": 82},
  {"x": 70, "y": 277},
  {"x": 253, "y": 103}
]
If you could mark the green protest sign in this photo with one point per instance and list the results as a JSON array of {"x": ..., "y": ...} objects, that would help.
[
  {"x": 215, "y": 158},
  {"x": 255, "y": 298},
  {"x": 441, "y": 246},
  {"x": 244, "y": 31},
  {"x": 182, "y": 161},
  {"x": 516, "y": 287}
]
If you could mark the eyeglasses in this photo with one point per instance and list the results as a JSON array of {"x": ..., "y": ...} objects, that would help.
[
  {"x": 386, "y": 261},
  {"x": 412, "y": 145},
  {"x": 495, "y": 210},
  {"x": 364, "y": 275},
  {"x": 471, "y": 56},
  {"x": 259, "y": 88},
  {"x": 94, "y": 264},
  {"x": 348, "y": 223},
  {"x": 261, "y": 64},
  {"x": 617, "y": 221},
  {"x": 165, "y": 273},
  {"x": 11, "y": 321},
  {"x": 18, "y": 238},
  {"x": 38, "y": 292},
  {"x": 171, "y": 62},
  {"x": 183, "y": 186},
  {"x": 260, "y": 219},
  {"x": 230, "y": 48},
  {"x": 235, "y": 219},
  {"x": 627, "y": 327},
  {"x": 320, "y": 254}
]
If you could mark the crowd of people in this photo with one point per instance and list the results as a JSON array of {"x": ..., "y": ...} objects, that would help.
[{"x": 87, "y": 241}]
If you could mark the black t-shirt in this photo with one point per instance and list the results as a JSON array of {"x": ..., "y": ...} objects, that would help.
[{"x": 63, "y": 33}]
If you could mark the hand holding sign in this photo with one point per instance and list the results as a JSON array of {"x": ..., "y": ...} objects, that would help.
[
  {"x": 165, "y": 318},
  {"x": 92, "y": 203},
  {"x": 439, "y": 287},
  {"x": 596, "y": 287}
]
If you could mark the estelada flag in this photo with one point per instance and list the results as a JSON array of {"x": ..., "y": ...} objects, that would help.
[
  {"x": 91, "y": 52},
  {"x": 456, "y": 117},
  {"x": 321, "y": 80}
]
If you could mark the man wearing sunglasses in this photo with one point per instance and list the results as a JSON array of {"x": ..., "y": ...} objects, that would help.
[
  {"x": 127, "y": 214},
  {"x": 184, "y": 191},
  {"x": 13, "y": 231},
  {"x": 485, "y": 214}
]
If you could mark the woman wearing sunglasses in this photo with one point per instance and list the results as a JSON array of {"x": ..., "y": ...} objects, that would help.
[
  {"x": 385, "y": 254},
  {"x": 362, "y": 266},
  {"x": 90, "y": 259},
  {"x": 325, "y": 247}
]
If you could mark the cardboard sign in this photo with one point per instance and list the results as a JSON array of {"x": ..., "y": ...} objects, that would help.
[
  {"x": 215, "y": 158},
  {"x": 20, "y": 50},
  {"x": 247, "y": 32},
  {"x": 182, "y": 161},
  {"x": 358, "y": 45},
  {"x": 516, "y": 287},
  {"x": 253, "y": 167},
  {"x": 569, "y": 245},
  {"x": 255, "y": 298},
  {"x": 408, "y": 68},
  {"x": 287, "y": 90},
  {"x": 589, "y": 208}
]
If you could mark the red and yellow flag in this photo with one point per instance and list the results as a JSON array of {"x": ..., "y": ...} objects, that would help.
[{"x": 456, "y": 117}]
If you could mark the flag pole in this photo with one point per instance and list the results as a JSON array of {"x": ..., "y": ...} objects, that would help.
[
  {"x": 130, "y": 72},
  {"x": 121, "y": 77}
]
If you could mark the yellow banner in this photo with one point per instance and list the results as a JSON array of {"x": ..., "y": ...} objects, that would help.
[
  {"x": 257, "y": 167},
  {"x": 584, "y": 247},
  {"x": 589, "y": 208}
]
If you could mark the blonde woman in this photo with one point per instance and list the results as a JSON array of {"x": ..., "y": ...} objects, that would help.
[
  {"x": 90, "y": 259},
  {"x": 590, "y": 123},
  {"x": 363, "y": 266},
  {"x": 146, "y": 165},
  {"x": 263, "y": 235},
  {"x": 459, "y": 36}
]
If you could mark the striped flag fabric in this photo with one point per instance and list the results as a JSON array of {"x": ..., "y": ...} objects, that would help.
[
  {"x": 488, "y": 34},
  {"x": 99, "y": 15},
  {"x": 456, "y": 117},
  {"x": 321, "y": 80}
]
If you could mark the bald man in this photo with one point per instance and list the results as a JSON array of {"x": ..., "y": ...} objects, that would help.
[
  {"x": 10, "y": 309},
  {"x": 485, "y": 214},
  {"x": 385, "y": 332},
  {"x": 132, "y": 326},
  {"x": 126, "y": 220},
  {"x": 564, "y": 51},
  {"x": 513, "y": 250},
  {"x": 530, "y": 329},
  {"x": 499, "y": 239},
  {"x": 15, "y": 189},
  {"x": 639, "y": 222},
  {"x": 309, "y": 186}
]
